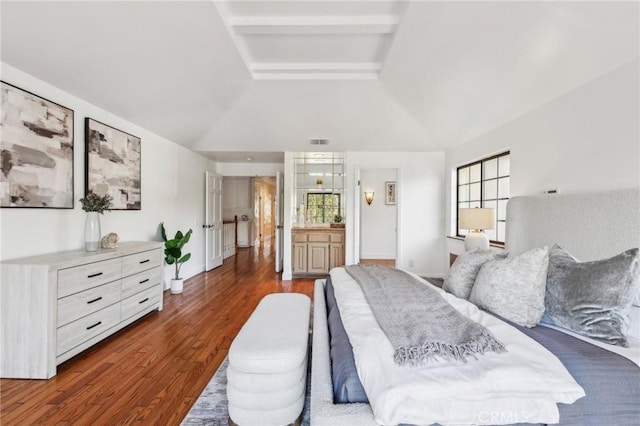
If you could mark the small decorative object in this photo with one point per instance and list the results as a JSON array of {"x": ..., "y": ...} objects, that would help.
[
  {"x": 390, "y": 193},
  {"x": 337, "y": 222},
  {"x": 109, "y": 241},
  {"x": 476, "y": 220},
  {"x": 245, "y": 217},
  {"x": 319, "y": 182},
  {"x": 368, "y": 197},
  {"x": 173, "y": 256},
  {"x": 94, "y": 204},
  {"x": 36, "y": 145},
  {"x": 113, "y": 156}
]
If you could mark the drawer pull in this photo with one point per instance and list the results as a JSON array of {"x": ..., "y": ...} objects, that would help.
[
  {"x": 142, "y": 301},
  {"x": 144, "y": 261},
  {"x": 94, "y": 325},
  {"x": 94, "y": 275},
  {"x": 144, "y": 281},
  {"x": 94, "y": 300}
]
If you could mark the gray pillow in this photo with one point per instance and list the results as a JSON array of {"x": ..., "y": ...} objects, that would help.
[
  {"x": 592, "y": 298},
  {"x": 462, "y": 273},
  {"x": 514, "y": 287}
]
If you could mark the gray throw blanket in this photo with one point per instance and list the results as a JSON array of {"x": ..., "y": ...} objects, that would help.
[{"x": 420, "y": 324}]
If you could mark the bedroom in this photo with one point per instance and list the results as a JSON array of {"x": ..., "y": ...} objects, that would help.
[{"x": 583, "y": 93}]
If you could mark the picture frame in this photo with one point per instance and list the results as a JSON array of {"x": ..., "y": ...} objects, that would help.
[
  {"x": 113, "y": 164},
  {"x": 36, "y": 145},
  {"x": 390, "y": 193}
]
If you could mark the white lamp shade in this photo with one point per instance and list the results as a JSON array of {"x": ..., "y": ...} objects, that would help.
[{"x": 477, "y": 218}]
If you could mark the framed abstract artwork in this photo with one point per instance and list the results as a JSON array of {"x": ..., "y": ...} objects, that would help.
[
  {"x": 36, "y": 151},
  {"x": 390, "y": 193},
  {"x": 112, "y": 163}
]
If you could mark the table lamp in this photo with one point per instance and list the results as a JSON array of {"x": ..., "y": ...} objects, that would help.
[{"x": 476, "y": 220}]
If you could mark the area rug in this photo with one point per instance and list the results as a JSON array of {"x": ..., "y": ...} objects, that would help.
[{"x": 211, "y": 407}]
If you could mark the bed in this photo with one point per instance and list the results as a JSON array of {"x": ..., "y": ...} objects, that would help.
[{"x": 608, "y": 223}]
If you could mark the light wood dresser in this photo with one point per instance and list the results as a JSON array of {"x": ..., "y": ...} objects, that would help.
[
  {"x": 56, "y": 305},
  {"x": 315, "y": 251}
]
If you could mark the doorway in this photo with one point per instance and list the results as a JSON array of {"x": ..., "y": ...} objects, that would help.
[
  {"x": 378, "y": 236},
  {"x": 264, "y": 206}
]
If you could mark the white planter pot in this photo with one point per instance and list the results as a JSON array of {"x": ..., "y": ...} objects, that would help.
[
  {"x": 176, "y": 286},
  {"x": 92, "y": 232}
]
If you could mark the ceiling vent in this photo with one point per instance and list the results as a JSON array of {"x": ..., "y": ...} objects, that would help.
[{"x": 319, "y": 141}]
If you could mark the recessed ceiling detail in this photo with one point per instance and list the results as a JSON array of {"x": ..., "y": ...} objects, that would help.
[{"x": 312, "y": 40}]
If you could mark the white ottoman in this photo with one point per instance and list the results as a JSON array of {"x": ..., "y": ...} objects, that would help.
[{"x": 267, "y": 374}]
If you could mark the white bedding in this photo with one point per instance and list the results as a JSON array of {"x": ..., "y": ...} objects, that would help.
[{"x": 522, "y": 385}]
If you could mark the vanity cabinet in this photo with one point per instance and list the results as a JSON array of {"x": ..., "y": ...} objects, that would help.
[
  {"x": 56, "y": 305},
  {"x": 316, "y": 250}
]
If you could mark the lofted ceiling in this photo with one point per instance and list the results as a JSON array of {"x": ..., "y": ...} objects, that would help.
[{"x": 238, "y": 79}]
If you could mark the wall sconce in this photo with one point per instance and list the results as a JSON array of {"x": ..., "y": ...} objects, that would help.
[{"x": 368, "y": 197}]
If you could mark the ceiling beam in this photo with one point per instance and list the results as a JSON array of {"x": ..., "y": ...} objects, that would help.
[{"x": 378, "y": 24}]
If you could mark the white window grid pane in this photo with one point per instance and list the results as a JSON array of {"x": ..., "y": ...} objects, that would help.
[
  {"x": 501, "y": 231},
  {"x": 474, "y": 192},
  {"x": 490, "y": 169},
  {"x": 504, "y": 165},
  {"x": 503, "y": 188},
  {"x": 463, "y": 193},
  {"x": 490, "y": 189},
  {"x": 463, "y": 175},
  {"x": 501, "y": 214},
  {"x": 475, "y": 173}
]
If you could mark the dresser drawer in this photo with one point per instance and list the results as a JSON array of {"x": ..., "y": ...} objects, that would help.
[
  {"x": 320, "y": 237},
  {"x": 139, "y": 262},
  {"x": 299, "y": 237},
  {"x": 337, "y": 238},
  {"x": 79, "y": 331},
  {"x": 78, "y": 305},
  {"x": 140, "y": 281},
  {"x": 80, "y": 278},
  {"x": 139, "y": 302}
]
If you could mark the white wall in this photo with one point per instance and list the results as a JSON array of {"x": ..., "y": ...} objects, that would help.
[
  {"x": 249, "y": 169},
  {"x": 586, "y": 140},
  {"x": 173, "y": 191},
  {"x": 420, "y": 197},
  {"x": 378, "y": 220}
]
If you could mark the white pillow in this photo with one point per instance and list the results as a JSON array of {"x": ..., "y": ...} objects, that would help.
[
  {"x": 462, "y": 273},
  {"x": 514, "y": 288}
]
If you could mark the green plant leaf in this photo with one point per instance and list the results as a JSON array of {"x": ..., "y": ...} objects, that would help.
[
  {"x": 185, "y": 258},
  {"x": 178, "y": 235}
]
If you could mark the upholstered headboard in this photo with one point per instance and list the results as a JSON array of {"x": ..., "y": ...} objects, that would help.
[{"x": 590, "y": 226}]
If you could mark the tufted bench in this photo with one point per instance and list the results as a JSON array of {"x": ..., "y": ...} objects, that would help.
[{"x": 267, "y": 374}]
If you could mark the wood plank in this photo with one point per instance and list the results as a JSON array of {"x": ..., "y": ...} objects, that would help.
[{"x": 152, "y": 371}]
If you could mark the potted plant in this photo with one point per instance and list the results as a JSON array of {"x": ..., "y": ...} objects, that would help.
[
  {"x": 94, "y": 204},
  {"x": 337, "y": 222},
  {"x": 173, "y": 256}
]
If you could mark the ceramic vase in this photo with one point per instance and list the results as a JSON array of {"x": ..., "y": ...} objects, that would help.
[
  {"x": 92, "y": 231},
  {"x": 177, "y": 285}
]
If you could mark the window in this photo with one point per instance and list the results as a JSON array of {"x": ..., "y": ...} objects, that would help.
[
  {"x": 485, "y": 183},
  {"x": 323, "y": 206}
]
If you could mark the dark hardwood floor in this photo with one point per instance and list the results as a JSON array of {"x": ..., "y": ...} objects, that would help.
[{"x": 153, "y": 371}]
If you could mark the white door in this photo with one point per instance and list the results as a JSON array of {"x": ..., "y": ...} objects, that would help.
[
  {"x": 213, "y": 221},
  {"x": 279, "y": 221}
]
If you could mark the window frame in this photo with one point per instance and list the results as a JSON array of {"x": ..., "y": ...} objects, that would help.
[
  {"x": 324, "y": 208},
  {"x": 482, "y": 199}
]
